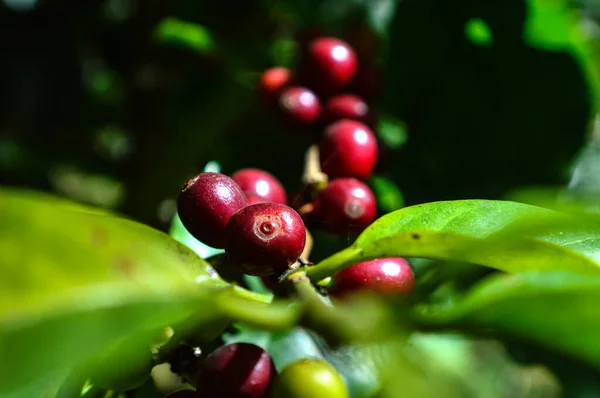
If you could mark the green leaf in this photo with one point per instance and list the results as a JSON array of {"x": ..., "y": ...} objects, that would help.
[
  {"x": 74, "y": 280},
  {"x": 389, "y": 197},
  {"x": 392, "y": 131},
  {"x": 185, "y": 34},
  {"x": 558, "y": 310},
  {"x": 470, "y": 231}
]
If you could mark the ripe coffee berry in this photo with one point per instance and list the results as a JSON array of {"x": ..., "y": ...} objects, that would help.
[
  {"x": 346, "y": 106},
  {"x": 299, "y": 106},
  {"x": 272, "y": 82},
  {"x": 206, "y": 204},
  {"x": 255, "y": 182},
  {"x": 386, "y": 275},
  {"x": 346, "y": 207},
  {"x": 265, "y": 238},
  {"x": 348, "y": 149},
  {"x": 328, "y": 65},
  {"x": 239, "y": 370},
  {"x": 309, "y": 378}
]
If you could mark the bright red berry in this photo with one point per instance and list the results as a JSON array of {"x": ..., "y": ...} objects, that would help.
[
  {"x": 265, "y": 238},
  {"x": 348, "y": 149},
  {"x": 386, "y": 275},
  {"x": 346, "y": 106},
  {"x": 255, "y": 182},
  {"x": 299, "y": 106},
  {"x": 329, "y": 65},
  {"x": 206, "y": 204},
  {"x": 272, "y": 82},
  {"x": 239, "y": 370},
  {"x": 346, "y": 207}
]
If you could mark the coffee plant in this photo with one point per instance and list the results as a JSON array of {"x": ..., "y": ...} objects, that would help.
[{"x": 293, "y": 266}]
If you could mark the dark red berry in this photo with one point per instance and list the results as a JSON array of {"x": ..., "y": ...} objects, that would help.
[
  {"x": 265, "y": 238},
  {"x": 299, "y": 106},
  {"x": 364, "y": 40},
  {"x": 348, "y": 149},
  {"x": 272, "y": 82},
  {"x": 368, "y": 82},
  {"x": 386, "y": 275},
  {"x": 346, "y": 106},
  {"x": 253, "y": 199},
  {"x": 328, "y": 65},
  {"x": 183, "y": 394},
  {"x": 255, "y": 182},
  {"x": 206, "y": 204},
  {"x": 346, "y": 207},
  {"x": 239, "y": 370}
]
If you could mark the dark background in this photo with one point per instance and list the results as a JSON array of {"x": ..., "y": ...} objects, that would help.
[{"x": 104, "y": 104}]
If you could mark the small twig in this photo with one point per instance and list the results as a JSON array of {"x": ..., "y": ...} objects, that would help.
[
  {"x": 318, "y": 313},
  {"x": 312, "y": 168},
  {"x": 307, "y": 247}
]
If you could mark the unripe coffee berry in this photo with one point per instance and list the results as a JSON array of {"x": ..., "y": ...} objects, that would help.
[
  {"x": 272, "y": 82},
  {"x": 299, "y": 106},
  {"x": 309, "y": 378},
  {"x": 328, "y": 65},
  {"x": 348, "y": 149},
  {"x": 265, "y": 238},
  {"x": 346, "y": 207},
  {"x": 239, "y": 370},
  {"x": 346, "y": 106},
  {"x": 206, "y": 204},
  {"x": 255, "y": 182},
  {"x": 390, "y": 276}
]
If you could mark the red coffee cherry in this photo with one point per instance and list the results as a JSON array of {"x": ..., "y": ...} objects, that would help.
[
  {"x": 346, "y": 106},
  {"x": 239, "y": 370},
  {"x": 346, "y": 207},
  {"x": 299, "y": 106},
  {"x": 328, "y": 65},
  {"x": 265, "y": 238},
  {"x": 390, "y": 276},
  {"x": 206, "y": 204},
  {"x": 348, "y": 149},
  {"x": 255, "y": 182},
  {"x": 272, "y": 82}
]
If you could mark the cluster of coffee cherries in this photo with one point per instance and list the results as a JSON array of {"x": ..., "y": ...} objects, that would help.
[
  {"x": 247, "y": 214},
  {"x": 246, "y": 370}
]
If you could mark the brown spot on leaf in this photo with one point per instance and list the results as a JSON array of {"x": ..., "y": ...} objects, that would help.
[
  {"x": 125, "y": 265},
  {"x": 98, "y": 237},
  {"x": 415, "y": 236}
]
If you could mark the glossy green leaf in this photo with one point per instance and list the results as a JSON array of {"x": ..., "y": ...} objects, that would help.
[
  {"x": 556, "y": 309},
  {"x": 392, "y": 131},
  {"x": 469, "y": 231},
  {"x": 185, "y": 34},
  {"x": 389, "y": 197},
  {"x": 73, "y": 280}
]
